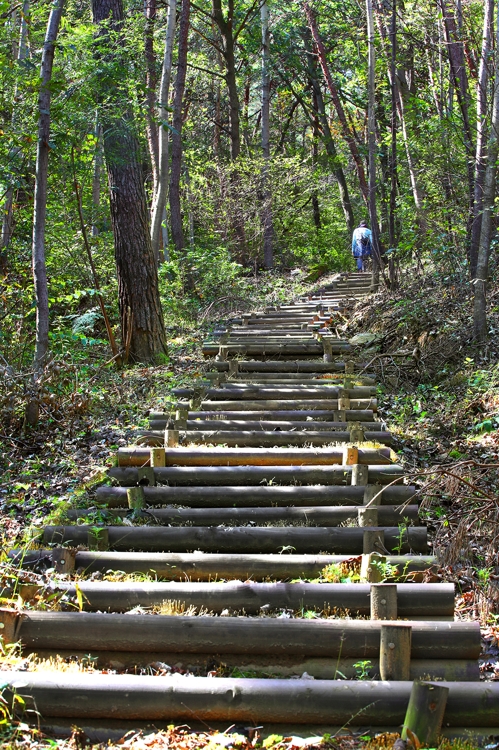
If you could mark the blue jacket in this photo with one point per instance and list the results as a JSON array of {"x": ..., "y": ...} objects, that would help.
[{"x": 358, "y": 249}]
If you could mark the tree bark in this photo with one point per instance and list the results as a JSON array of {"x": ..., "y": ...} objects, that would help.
[
  {"x": 393, "y": 149},
  {"x": 489, "y": 194},
  {"x": 373, "y": 214},
  {"x": 481, "y": 133},
  {"x": 142, "y": 324},
  {"x": 151, "y": 83},
  {"x": 96, "y": 178},
  {"x": 19, "y": 52},
  {"x": 347, "y": 133},
  {"x": 40, "y": 198},
  {"x": 266, "y": 212},
  {"x": 159, "y": 201},
  {"x": 178, "y": 98}
]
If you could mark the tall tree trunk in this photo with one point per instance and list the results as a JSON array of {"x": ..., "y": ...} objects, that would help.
[
  {"x": 178, "y": 98},
  {"x": 371, "y": 125},
  {"x": 347, "y": 133},
  {"x": 40, "y": 198},
  {"x": 20, "y": 52},
  {"x": 393, "y": 149},
  {"x": 459, "y": 81},
  {"x": 489, "y": 194},
  {"x": 151, "y": 83},
  {"x": 96, "y": 178},
  {"x": 481, "y": 132},
  {"x": 268, "y": 228},
  {"x": 142, "y": 326},
  {"x": 159, "y": 202},
  {"x": 315, "y": 158}
]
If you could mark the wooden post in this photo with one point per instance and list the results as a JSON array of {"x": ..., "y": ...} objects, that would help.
[
  {"x": 63, "y": 560},
  {"x": 370, "y": 567},
  {"x": 98, "y": 539},
  {"x": 135, "y": 498},
  {"x": 367, "y": 516},
  {"x": 350, "y": 455},
  {"x": 343, "y": 400},
  {"x": 328, "y": 348},
  {"x": 349, "y": 366},
  {"x": 223, "y": 353},
  {"x": 233, "y": 368},
  {"x": 157, "y": 455},
  {"x": 370, "y": 493},
  {"x": 171, "y": 439},
  {"x": 356, "y": 432},
  {"x": 146, "y": 476},
  {"x": 373, "y": 541},
  {"x": 384, "y": 601},
  {"x": 395, "y": 652},
  {"x": 198, "y": 395},
  {"x": 360, "y": 474},
  {"x": 9, "y": 625},
  {"x": 425, "y": 712},
  {"x": 181, "y": 413}
]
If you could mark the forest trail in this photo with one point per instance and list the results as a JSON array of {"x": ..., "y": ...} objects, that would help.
[{"x": 291, "y": 542}]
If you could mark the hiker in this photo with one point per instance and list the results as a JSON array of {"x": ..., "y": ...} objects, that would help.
[{"x": 361, "y": 245}]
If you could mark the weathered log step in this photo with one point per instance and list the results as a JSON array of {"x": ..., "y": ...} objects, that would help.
[
  {"x": 371, "y": 428},
  {"x": 235, "y": 390},
  {"x": 259, "y": 496},
  {"x": 198, "y": 566},
  {"x": 209, "y": 635},
  {"x": 245, "y": 539},
  {"x": 290, "y": 378},
  {"x": 388, "y": 515},
  {"x": 266, "y": 349},
  {"x": 372, "y": 703},
  {"x": 161, "y": 420},
  {"x": 415, "y": 601},
  {"x": 461, "y": 670},
  {"x": 291, "y": 366},
  {"x": 139, "y": 456},
  {"x": 262, "y": 439},
  {"x": 252, "y": 475},
  {"x": 293, "y": 404}
]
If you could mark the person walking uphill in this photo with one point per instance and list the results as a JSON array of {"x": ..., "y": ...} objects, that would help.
[{"x": 362, "y": 245}]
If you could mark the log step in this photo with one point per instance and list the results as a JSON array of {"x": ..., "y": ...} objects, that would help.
[{"x": 261, "y": 439}]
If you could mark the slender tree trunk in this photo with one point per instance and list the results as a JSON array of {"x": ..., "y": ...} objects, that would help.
[
  {"x": 315, "y": 158},
  {"x": 347, "y": 133},
  {"x": 460, "y": 82},
  {"x": 20, "y": 52},
  {"x": 489, "y": 194},
  {"x": 41, "y": 180},
  {"x": 159, "y": 201},
  {"x": 96, "y": 177},
  {"x": 151, "y": 83},
  {"x": 371, "y": 117},
  {"x": 481, "y": 132},
  {"x": 266, "y": 213},
  {"x": 178, "y": 98},
  {"x": 142, "y": 326},
  {"x": 393, "y": 150}
]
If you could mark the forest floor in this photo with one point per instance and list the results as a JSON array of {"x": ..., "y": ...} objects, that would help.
[{"x": 439, "y": 396}]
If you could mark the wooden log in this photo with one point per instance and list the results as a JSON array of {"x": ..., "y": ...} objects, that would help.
[
  {"x": 388, "y": 515},
  {"x": 160, "y": 421},
  {"x": 295, "y": 404},
  {"x": 248, "y": 366},
  {"x": 425, "y": 712},
  {"x": 137, "y": 456},
  {"x": 63, "y": 559},
  {"x": 260, "y": 438},
  {"x": 211, "y": 635},
  {"x": 210, "y": 497},
  {"x": 276, "y": 665},
  {"x": 254, "y": 475},
  {"x": 395, "y": 652},
  {"x": 197, "y": 566},
  {"x": 384, "y": 601},
  {"x": 374, "y": 430},
  {"x": 292, "y": 391},
  {"x": 134, "y": 697},
  {"x": 415, "y": 601},
  {"x": 342, "y": 540}
]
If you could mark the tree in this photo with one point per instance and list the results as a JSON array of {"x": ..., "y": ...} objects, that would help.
[
  {"x": 142, "y": 326},
  {"x": 268, "y": 228},
  {"x": 489, "y": 194},
  {"x": 371, "y": 134},
  {"x": 177, "y": 123}
]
